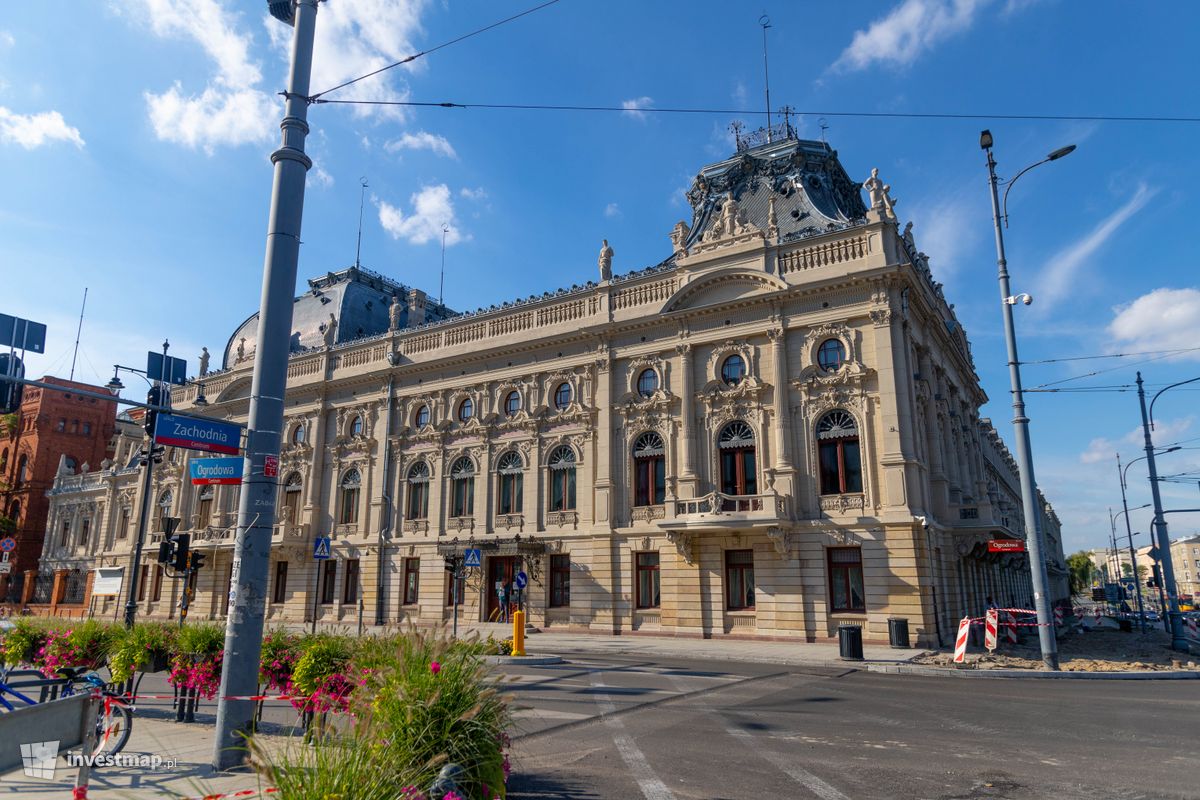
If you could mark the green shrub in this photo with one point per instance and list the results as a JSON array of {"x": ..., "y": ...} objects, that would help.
[
  {"x": 22, "y": 643},
  {"x": 321, "y": 657},
  {"x": 135, "y": 648}
]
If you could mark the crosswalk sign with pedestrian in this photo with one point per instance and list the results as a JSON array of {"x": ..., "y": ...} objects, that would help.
[
  {"x": 321, "y": 548},
  {"x": 472, "y": 557}
]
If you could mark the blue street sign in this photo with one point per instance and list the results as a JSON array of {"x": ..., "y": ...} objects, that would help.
[
  {"x": 8, "y": 544},
  {"x": 472, "y": 557},
  {"x": 198, "y": 434},
  {"x": 521, "y": 580},
  {"x": 321, "y": 548},
  {"x": 21, "y": 334},
  {"x": 166, "y": 368},
  {"x": 207, "y": 471}
]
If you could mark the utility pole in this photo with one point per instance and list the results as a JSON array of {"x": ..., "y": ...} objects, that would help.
[
  {"x": 256, "y": 505},
  {"x": 159, "y": 395},
  {"x": 1178, "y": 640},
  {"x": 1137, "y": 579}
]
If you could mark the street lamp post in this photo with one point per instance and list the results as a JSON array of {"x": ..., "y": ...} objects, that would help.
[
  {"x": 1033, "y": 525},
  {"x": 1178, "y": 639},
  {"x": 1132, "y": 552}
]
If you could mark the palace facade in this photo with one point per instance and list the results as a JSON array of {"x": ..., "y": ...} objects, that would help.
[{"x": 773, "y": 431}]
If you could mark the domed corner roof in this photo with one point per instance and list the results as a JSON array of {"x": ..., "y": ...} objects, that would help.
[
  {"x": 811, "y": 189},
  {"x": 358, "y": 299}
]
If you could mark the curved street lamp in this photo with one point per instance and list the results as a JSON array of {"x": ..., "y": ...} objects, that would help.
[{"x": 1033, "y": 526}]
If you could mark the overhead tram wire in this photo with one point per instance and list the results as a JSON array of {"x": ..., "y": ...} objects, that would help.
[
  {"x": 415, "y": 56},
  {"x": 317, "y": 99},
  {"x": 1111, "y": 355}
]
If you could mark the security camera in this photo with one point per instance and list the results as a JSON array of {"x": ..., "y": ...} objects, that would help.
[{"x": 1027, "y": 299}]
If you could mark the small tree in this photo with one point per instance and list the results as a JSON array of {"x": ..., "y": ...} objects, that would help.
[{"x": 1082, "y": 570}]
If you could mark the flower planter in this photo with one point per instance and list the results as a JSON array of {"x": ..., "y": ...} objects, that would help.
[{"x": 157, "y": 661}]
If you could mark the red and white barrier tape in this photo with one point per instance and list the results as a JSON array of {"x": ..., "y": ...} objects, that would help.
[
  {"x": 243, "y": 793},
  {"x": 254, "y": 697}
]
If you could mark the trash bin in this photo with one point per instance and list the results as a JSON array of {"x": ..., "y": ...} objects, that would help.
[
  {"x": 898, "y": 632},
  {"x": 850, "y": 642}
]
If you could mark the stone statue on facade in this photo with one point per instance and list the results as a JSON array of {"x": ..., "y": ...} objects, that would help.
[
  {"x": 203, "y": 361},
  {"x": 241, "y": 351},
  {"x": 605, "y": 260},
  {"x": 394, "y": 314},
  {"x": 877, "y": 191},
  {"x": 679, "y": 235},
  {"x": 907, "y": 236},
  {"x": 331, "y": 331}
]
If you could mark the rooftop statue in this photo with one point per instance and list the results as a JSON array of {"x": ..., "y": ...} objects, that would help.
[
  {"x": 203, "y": 361},
  {"x": 394, "y": 314},
  {"x": 331, "y": 331},
  {"x": 877, "y": 190},
  {"x": 605, "y": 261}
]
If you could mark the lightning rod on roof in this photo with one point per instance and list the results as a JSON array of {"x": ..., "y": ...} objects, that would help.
[
  {"x": 765, "y": 22},
  {"x": 361, "y": 197}
]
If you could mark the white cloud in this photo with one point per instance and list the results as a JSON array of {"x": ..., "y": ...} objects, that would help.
[
  {"x": 634, "y": 108},
  {"x": 422, "y": 140},
  {"x": 907, "y": 31},
  {"x": 1104, "y": 449},
  {"x": 215, "y": 117},
  {"x": 214, "y": 28},
  {"x": 612, "y": 210},
  {"x": 478, "y": 193},
  {"x": 432, "y": 209},
  {"x": 945, "y": 231},
  {"x": 1057, "y": 278},
  {"x": 35, "y": 130},
  {"x": 6, "y": 39},
  {"x": 1164, "y": 319}
]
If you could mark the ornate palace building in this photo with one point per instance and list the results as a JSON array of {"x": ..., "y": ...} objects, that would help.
[{"x": 773, "y": 431}]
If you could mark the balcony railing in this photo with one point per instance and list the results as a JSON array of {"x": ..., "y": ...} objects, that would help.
[
  {"x": 719, "y": 510},
  {"x": 509, "y": 521}
]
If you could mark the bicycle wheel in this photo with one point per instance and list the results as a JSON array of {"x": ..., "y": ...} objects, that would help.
[{"x": 112, "y": 729}]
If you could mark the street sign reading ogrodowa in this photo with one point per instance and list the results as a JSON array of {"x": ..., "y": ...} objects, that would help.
[
  {"x": 1006, "y": 546},
  {"x": 209, "y": 435},
  {"x": 224, "y": 471}
]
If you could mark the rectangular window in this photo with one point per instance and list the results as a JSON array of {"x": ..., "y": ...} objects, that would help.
[
  {"x": 350, "y": 583},
  {"x": 349, "y": 506},
  {"x": 510, "y": 494},
  {"x": 61, "y": 426},
  {"x": 647, "y": 580},
  {"x": 156, "y": 592},
  {"x": 464, "y": 497},
  {"x": 560, "y": 581},
  {"x": 739, "y": 579},
  {"x": 412, "y": 575},
  {"x": 279, "y": 593},
  {"x": 846, "y": 580},
  {"x": 328, "y": 580},
  {"x": 418, "y": 500},
  {"x": 143, "y": 575},
  {"x": 123, "y": 526},
  {"x": 66, "y": 533},
  {"x": 87, "y": 429},
  {"x": 562, "y": 489},
  {"x": 84, "y": 529}
]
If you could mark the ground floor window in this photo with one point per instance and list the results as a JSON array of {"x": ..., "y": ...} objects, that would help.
[
  {"x": 560, "y": 581},
  {"x": 455, "y": 587},
  {"x": 412, "y": 574},
  {"x": 156, "y": 592},
  {"x": 143, "y": 575},
  {"x": 739, "y": 579},
  {"x": 846, "y": 580},
  {"x": 328, "y": 580},
  {"x": 350, "y": 583},
  {"x": 647, "y": 580},
  {"x": 280, "y": 591}
]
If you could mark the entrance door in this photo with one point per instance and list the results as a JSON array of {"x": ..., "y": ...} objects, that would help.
[{"x": 500, "y": 576}]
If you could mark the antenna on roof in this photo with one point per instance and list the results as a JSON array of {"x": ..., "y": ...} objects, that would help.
[
  {"x": 442, "y": 279},
  {"x": 362, "y": 196},
  {"x": 78, "y": 330},
  {"x": 824, "y": 127},
  {"x": 765, "y": 21}
]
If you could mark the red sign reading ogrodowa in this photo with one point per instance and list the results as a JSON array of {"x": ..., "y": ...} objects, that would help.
[{"x": 1006, "y": 546}]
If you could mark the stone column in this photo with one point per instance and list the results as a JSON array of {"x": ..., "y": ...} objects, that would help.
[
  {"x": 605, "y": 452},
  {"x": 783, "y": 421},
  {"x": 314, "y": 485},
  {"x": 892, "y": 448},
  {"x": 687, "y": 423}
]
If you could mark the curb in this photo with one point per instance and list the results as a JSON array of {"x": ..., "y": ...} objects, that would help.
[
  {"x": 941, "y": 672},
  {"x": 529, "y": 661}
]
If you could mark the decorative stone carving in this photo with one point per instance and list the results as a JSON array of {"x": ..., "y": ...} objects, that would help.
[
  {"x": 878, "y": 191},
  {"x": 241, "y": 351},
  {"x": 685, "y": 544},
  {"x": 605, "y": 260},
  {"x": 730, "y": 228},
  {"x": 679, "y": 235},
  {"x": 394, "y": 311},
  {"x": 772, "y": 220},
  {"x": 881, "y": 317},
  {"x": 785, "y": 543}
]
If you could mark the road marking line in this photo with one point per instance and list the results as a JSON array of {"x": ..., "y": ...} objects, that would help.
[{"x": 650, "y": 784}]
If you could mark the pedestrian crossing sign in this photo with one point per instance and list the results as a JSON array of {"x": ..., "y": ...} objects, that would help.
[
  {"x": 472, "y": 557},
  {"x": 321, "y": 548}
]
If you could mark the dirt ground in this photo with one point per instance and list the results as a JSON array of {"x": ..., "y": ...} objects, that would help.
[{"x": 1099, "y": 650}]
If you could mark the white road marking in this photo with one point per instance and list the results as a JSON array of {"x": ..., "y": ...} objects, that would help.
[{"x": 650, "y": 784}]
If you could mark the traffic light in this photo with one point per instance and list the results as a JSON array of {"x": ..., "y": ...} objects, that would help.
[
  {"x": 197, "y": 561},
  {"x": 180, "y": 543},
  {"x": 166, "y": 551},
  {"x": 154, "y": 398}
]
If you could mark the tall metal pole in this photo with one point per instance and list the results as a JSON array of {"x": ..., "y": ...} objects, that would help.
[
  {"x": 1137, "y": 580},
  {"x": 1178, "y": 640},
  {"x": 765, "y": 21},
  {"x": 1033, "y": 520},
  {"x": 131, "y": 602},
  {"x": 256, "y": 505}
]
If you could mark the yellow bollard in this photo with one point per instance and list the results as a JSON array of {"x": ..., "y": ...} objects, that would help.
[{"x": 518, "y": 648}]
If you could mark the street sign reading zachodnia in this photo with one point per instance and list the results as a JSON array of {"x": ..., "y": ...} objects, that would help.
[{"x": 198, "y": 434}]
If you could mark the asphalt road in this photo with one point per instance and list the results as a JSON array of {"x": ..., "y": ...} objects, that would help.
[{"x": 626, "y": 729}]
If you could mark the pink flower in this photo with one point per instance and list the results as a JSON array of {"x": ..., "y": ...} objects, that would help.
[{"x": 435, "y": 668}]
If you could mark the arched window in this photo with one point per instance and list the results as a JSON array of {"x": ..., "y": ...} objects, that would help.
[
  {"x": 165, "y": 501},
  {"x": 291, "y": 497},
  {"x": 739, "y": 473},
  {"x": 838, "y": 453},
  {"x": 649, "y": 470},
  {"x": 422, "y": 416},
  {"x": 462, "y": 487},
  {"x": 3, "y": 461},
  {"x": 733, "y": 371},
  {"x": 351, "y": 486},
  {"x": 647, "y": 382},
  {"x": 298, "y": 434},
  {"x": 465, "y": 409},
  {"x": 562, "y": 396},
  {"x": 831, "y": 354},
  {"x": 22, "y": 468},
  {"x": 204, "y": 504},
  {"x": 418, "y": 491},
  {"x": 14, "y": 513},
  {"x": 510, "y": 468},
  {"x": 512, "y": 403},
  {"x": 71, "y": 465},
  {"x": 562, "y": 479},
  {"x": 356, "y": 426}
]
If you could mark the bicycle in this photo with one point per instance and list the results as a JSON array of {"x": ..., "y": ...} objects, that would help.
[{"x": 114, "y": 723}]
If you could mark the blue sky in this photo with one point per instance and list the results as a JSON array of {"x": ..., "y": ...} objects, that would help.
[{"x": 134, "y": 138}]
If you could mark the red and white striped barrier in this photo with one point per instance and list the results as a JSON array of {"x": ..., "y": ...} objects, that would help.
[
  {"x": 1098, "y": 612},
  {"x": 989, "y": 630},
  {"x": 960, "y": 643},
  {"x": 1193, "y": 626},
  {"x": 243, "y": 793},
  {"x": 1058, "y": 616},
  {"x": 1010, "y": 627}
]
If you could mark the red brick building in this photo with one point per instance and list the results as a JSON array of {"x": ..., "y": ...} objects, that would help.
[{"x": 50, "y": 424}]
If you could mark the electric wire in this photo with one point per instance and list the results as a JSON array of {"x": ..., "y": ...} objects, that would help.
[
  {"x": 414, "y": 57},
  {"x": 317, "y": 98},
  {"x": 1111, "y": 355},
  {"x": 1101, "y": 371}
]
